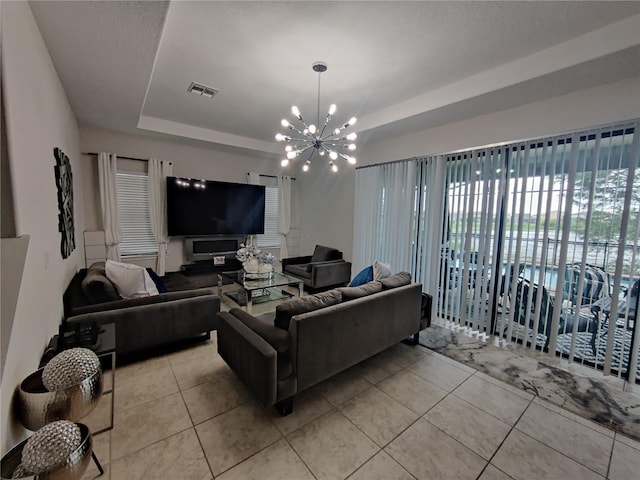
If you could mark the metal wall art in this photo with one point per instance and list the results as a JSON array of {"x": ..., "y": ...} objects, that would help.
[{"x": 64, "y": 182}]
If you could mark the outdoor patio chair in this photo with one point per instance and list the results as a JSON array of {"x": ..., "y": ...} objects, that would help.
[
  {"x": 504, "y": 290},
  {"x": 525, "y": 311},
  {"x": 626, "y": 311},
  {"x": 595, "y": 286}
]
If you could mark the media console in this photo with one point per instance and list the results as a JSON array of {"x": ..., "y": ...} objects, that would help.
[
  {"x": 206, "y": 248},
  {"x": 210, "y": 254}
]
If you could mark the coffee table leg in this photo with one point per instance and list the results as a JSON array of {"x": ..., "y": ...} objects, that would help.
[
  {"x": 300, "y": 289},
  {"x": 249, "y": 301}
]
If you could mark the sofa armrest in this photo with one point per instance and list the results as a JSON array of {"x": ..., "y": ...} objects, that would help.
[
  {"x": 295, "y": 261},
  {"x": 329, "y": 274},
  {"x": 249, "y": 356},
  {"x": 142, "y": 326}
]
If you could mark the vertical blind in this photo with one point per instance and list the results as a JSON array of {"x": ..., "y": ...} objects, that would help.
[
  {"x": 387, "y": 199},
  {"x": 135, "y": 220},
  {"x": 534, "y": 242}
]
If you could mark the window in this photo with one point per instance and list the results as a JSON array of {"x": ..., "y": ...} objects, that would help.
[
  {"x": 132, "y": 189},
  {"x": 271, "y": 237}
]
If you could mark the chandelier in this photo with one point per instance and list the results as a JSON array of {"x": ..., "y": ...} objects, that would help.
[{"x": 311, "y": 138}]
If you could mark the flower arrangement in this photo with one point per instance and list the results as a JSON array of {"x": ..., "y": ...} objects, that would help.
[{"x": 247, "y": 252}]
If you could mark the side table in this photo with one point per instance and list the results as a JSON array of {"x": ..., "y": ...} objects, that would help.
[{"x": 105, "y": 349}]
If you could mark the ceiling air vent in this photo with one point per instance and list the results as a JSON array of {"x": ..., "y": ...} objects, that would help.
[{"x": 202, "y": 90}]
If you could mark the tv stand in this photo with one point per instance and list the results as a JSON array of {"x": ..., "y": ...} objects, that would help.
[
  {"x": 202, "y": 249},
  {"x": 208, "y": 266}
]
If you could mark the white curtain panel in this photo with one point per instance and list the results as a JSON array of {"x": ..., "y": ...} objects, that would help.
[
  {"x": 158, "y": 172},
  {"x": 385, "y": 209},
  {"x": 368, "y": 199},
  {"x": 429, "y": 223},
  {"x": 284, "y": 212},
  {"x": 107, "y": 169}
]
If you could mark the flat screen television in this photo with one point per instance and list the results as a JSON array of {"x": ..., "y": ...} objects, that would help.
[{"x": 207, "y": 207}]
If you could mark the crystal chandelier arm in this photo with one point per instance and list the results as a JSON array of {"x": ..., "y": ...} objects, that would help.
[
  {"x": 336, "y": 143},
  {"x": 290, "y": 126},
  {"x": 326, "y": 122},
  {"x": 296, "y": 113}
]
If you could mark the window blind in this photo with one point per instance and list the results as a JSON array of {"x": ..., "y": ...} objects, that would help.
[
  {"x": 271, "y": 237},
  {"x": 132, "y": 190}
]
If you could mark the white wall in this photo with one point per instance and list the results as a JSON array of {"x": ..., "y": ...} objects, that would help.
[
  {"x": 326, "y": 206},
  {"x": 38, "y": 119},
  {"x": 586, "y": 108},
  {"x": 188, "y": 161}
]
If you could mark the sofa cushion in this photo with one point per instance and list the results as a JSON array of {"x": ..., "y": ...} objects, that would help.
[
  {"x": 130, "y": 280},
  {"x": 141, "y": 301},
  {"x": 310, "y": 303},
  {"x": 97, "y": 287},
  {"x": 324, "y": 254},
  {"x": 365, "y": 275},
  {"x": 381, "y": 270},
  {"x": 351, "y": 293},
  {"x": 328, "y": 262},
  {"x": 157, "y": 281},
  {"x": 299, "y": 270},
  {"x": 396, "y": 280}
]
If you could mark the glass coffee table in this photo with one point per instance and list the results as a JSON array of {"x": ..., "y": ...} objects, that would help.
[{"x": 258, "y": 290}]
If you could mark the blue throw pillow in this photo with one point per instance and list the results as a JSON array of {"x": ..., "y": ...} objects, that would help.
[
  {"x": 366, "y": 275},
  {"x": 157, "y": 280}
]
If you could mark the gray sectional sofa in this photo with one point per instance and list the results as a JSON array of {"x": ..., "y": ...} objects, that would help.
[
  {"x": 311, "y": 338},
  {"x": 184, "y": 311}
]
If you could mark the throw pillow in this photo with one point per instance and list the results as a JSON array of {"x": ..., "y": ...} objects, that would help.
[
  {"x": 157, "y": 281},
  {"x": 351, "y": 293},
  {"x": 97, "y": 287},
  {"x": 365, "y": 275},
  {"x": 310, "y": 303},
  {"x": 396, "y": 280},
  {"x": 381, "y": 270},
  {"x": 323, "y": 254},
  {"x": 131, "y": 280}
]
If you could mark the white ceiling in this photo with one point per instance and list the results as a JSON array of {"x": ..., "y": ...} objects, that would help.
[{"x": 398, "y": 66}]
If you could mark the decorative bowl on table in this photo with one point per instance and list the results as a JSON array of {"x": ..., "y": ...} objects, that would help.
[
  {"x": 72, "y": 467},
  {"x": 73, "y": 388}
]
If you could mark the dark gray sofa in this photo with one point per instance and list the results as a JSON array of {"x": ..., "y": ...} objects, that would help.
[
  {"x": 312, "y": 338},
  {"x": 321, "y": 271},
  {"x": 184, "y": 311}
]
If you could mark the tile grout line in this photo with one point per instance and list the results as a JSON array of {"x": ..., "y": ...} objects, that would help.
[
  {"x": 513, "y": 427},
  {"x": 193, "y": 426}
]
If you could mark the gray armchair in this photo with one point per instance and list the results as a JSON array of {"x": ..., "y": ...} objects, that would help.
[{"x": 323, "y": 270}]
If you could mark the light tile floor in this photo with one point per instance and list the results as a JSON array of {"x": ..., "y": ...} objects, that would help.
[{"x": 407, "y": 413}]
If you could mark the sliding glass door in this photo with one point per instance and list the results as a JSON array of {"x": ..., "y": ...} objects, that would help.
[
  {"x": 535, "y": 242},
  {"x": 540, "y": 245}
]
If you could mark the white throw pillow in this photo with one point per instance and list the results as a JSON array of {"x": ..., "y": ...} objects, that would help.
[
  {"x": 131, "y": 280},
  {"x": 381, "y": 270}
]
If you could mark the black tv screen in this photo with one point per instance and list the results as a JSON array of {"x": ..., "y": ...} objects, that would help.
[{"x": 207, "y": 207}]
